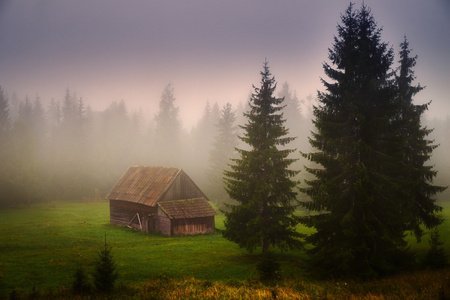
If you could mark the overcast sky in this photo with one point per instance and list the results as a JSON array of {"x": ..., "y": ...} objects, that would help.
[{"x": 210, "y": 50}]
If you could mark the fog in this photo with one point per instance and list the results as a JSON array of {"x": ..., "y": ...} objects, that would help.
[
  {"x": 84, "y": 82},
  {"x": 209, "y": 51},
  {"x": 64, "y": 150}
]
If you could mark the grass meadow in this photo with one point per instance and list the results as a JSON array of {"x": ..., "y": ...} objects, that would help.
[{"x": 41, "y": 247}]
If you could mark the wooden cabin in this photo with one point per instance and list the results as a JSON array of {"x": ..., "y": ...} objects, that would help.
[{"x": 160, "y": 200}]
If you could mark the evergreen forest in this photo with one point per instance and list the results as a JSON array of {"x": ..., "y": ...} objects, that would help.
[{"x": 61, "y": 149}]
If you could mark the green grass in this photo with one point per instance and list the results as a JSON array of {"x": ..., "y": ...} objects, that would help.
[{"x": 41, "y": 247}]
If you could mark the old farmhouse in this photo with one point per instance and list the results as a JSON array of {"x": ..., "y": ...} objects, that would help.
[{"x": 157, "y": 199}]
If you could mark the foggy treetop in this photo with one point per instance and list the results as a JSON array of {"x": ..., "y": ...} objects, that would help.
[{"x": 207, "y": 50}]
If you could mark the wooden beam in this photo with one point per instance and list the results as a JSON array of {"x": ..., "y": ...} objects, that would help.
[{"x": 139, "y": 220}]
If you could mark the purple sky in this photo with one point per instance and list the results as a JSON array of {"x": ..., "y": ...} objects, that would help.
[{"x": 208, "y": 49}]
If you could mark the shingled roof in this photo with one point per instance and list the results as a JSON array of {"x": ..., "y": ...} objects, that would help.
[
  {"x": 188, "y": 208},
  {"x": 143, "y": 185}
]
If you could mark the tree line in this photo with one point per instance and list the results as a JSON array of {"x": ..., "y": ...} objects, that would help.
[{"x": 64, "y": 150}]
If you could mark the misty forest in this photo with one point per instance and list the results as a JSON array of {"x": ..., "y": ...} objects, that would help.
[
  {"x": 63, "y": 150},
  {"x": 349, "y": 178}
]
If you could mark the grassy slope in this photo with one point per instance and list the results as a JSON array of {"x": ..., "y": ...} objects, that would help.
[{"x": 42, "y": 246}]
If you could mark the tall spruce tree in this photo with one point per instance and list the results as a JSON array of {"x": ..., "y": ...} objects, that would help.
[
  {"x": 356, "y": 191},
  {"x": 24, "y": 149},
  {"x": 168, "y": 130},
  {"x": 201, "y": 138},
  {"x": 420, "y": 208},
  {"x": 222, "y": 151},
  {"x": 260, "y": 180}
]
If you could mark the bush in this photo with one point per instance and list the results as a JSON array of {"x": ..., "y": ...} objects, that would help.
[{"x": 105, "y": 273}]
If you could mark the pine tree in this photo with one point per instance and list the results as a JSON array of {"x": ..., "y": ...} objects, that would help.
[
  {"x": 293, "y": 111},
  {"x": 105, "y": 274},
  {"x": 417, "y": 177},
  {"x": 356, "y": 188},
  {"x": 38, "y": 121},
  {"x": 23, "y": 177},
  {"x": 201, "y": 137},
  {"x": 116, "y": 127},
  {"x": 260, "y": 180},
  {"x": 71, "y": 168},
  {"x": 168, "y": 130},
  {"x": 295, "y": 121},
  {"x": 223, "y": 150},
  {"x": 80, "y": 284}
]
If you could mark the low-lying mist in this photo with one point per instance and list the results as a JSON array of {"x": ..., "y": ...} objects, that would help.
[{"x": 64, "y": 150}]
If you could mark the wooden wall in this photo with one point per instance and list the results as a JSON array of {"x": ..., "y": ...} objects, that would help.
[
  {"x": 193, "y": 226},
  {"x": 164, "y": 225},
  {"x": 182, "y": 188},
  {"x": 155, "y": 220},
  {"x": 122, "y": 212}
]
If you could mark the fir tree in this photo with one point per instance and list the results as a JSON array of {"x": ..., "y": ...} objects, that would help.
[
  {"x": 168, "y": 129},
  {"x": 295, "y": 121},
  {"x": 356, "y": 190},
  {"x": 80, "y": 284},
  {"x": 223, "y": 150},
  {"x": 105, "y": 274},
  {"x": 260, "y": 180},
  {"x": 201, "y": 137},
  {"x": 72, "y": 169},
  {"x": 24, "y": 155},
  {"x": 416, "y": 176},
  {"x": 293, "y": 112}
]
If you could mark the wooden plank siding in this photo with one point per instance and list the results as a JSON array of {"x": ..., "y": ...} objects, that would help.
[
  {"x": 122, "y": 212},
  {"x": 182, "y": 188},
  {"x": 192, "y": 226},
  {"x": 155, "y": 220},
  {"x": 164, "y": 224}
]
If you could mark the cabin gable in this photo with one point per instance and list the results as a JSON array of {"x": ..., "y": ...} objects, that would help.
[{"x": 182, "y": 187}]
